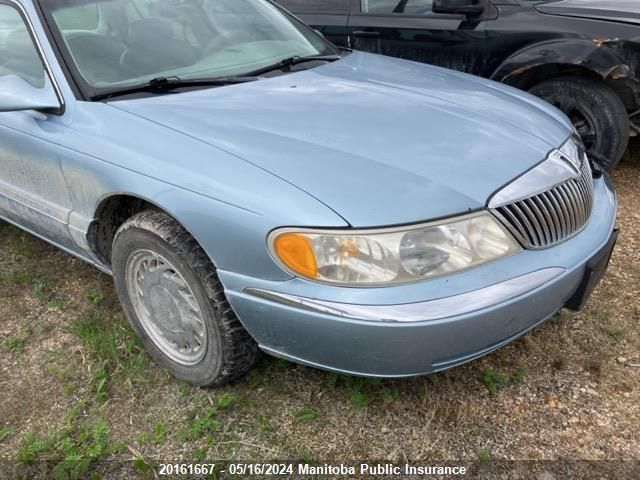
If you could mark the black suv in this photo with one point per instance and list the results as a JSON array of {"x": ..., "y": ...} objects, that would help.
[{"x": 581, "y": 55}]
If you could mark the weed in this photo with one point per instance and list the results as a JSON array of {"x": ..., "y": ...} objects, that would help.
[
  {"x": 224, "y": 401},
  {"x": 159, "y": 434},
  {"x": 5, "y": 432},
  {"x": 518, "y": 376},
  {"x": 200, "y": 453},
  {"x": 40, "y": 285},
  {"x": 493, "y": 380},
  {"x": 99, "y": 380},
  {"x": 69, "y": 452},
  {"x": 304, "y": 454},
  {"x": 264, "y": 423},
  {"x": 14, "y": 344},
  {"x": 142, "y": 466},
  {"x": 21, "y": 244},
  {"x": 389, "y": 395},
  {"x": 359, "y": 399},
  {"x": 617, "y": 333},
  {"x": 66, "y": 374},
  {"x": 18, "y": 277},
  {"x": 332, "y": 378},
  {"x": 115, "y": 347},
  {"x": 95, "y": 296},
  {"x": 185, "y": 389},
  {"x": 281, "y": 363},
  {"x": 201, "y": 425},
  {"x": 68, "y": 390},
  {"x": 484, "y": 456},
  {"x": 307, "y": 414},
  {"x": 57, "y": 304},
  {"x": 157, "y": 437}
]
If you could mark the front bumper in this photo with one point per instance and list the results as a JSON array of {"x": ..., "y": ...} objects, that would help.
[{"x": 425, "y": 327}]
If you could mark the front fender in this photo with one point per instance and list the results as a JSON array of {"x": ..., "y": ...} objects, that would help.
[{"x": 611, "y": 59}]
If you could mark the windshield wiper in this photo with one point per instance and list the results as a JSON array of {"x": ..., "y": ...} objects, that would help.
[
  {"x": 167, "y": 84},
  {"x": 287, "y": 63}
]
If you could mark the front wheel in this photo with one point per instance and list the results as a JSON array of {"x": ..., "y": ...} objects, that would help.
[
  {"x": 596, "y": 111},
  {"x": 174, "y": 301}
]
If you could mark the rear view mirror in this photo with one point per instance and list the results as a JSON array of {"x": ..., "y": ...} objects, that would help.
[
  {"x": 464, "y": 7},
  {"x": 18, "y": 94}
]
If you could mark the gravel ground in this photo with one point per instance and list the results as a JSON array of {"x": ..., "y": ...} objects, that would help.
[{"x": 74, "y": 384}]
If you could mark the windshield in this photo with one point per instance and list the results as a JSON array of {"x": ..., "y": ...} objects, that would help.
[{"x": 117, "y": 43}]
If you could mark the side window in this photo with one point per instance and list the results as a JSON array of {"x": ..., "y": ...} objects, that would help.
[
  {"x": 18, "y": 54},
  {"x": 407, "y": 7},
  {"x": 315, "y": 6}
]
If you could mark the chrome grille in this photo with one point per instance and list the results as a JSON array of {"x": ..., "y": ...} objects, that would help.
[{"x": 550, "y": 217}]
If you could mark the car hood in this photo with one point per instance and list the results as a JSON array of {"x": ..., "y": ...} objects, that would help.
[
  {"x": 380, "y": 141},
  {"x": 627, "y": 11}
]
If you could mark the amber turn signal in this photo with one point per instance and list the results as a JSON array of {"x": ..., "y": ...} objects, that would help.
[{"x": 296, "y": 252}]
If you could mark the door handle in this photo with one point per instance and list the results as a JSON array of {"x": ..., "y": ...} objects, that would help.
[{"x": 366, "y": 34}]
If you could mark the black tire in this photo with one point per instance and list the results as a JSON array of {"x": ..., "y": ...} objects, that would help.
[
  {"x": 597, "y": 112},
  {"x": 230, "y": 351}
]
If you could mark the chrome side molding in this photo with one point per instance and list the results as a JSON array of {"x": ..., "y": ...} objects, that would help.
[{"x": 430, "y": 310}]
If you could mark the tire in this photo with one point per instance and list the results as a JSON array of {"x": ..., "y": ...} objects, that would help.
[
  {"x": 182, "y": 317},
  {"x": 597, "y": 112}
]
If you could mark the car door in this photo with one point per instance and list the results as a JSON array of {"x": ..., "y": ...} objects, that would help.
[
  {"x": 410, "y": 29},
  {"x": 329, "y": 17},
  {"x": 33, "y": 192}
]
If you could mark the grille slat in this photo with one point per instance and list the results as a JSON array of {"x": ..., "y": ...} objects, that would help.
[
  {"x": 553, "y": 216},
  {"x": 546, "y": 227}
]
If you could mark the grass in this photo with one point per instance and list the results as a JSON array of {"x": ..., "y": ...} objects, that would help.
[
  {"x": 264, "y": 423},
  {"x": 157, "y": 436},
  {"x": 307, "y": 414},
  {"x": 79, "y": 393},
  {"x": 484, "y": 456},
  {"x": 57, "y": 304},
  {"x": 40, "y": 287},
  {"x": 5, "y": 432},
  {"x": 19, "y": 277},
  {"x": 115, "y": 348},
  {"x": 520, "y": 374},
  {"x": 201, "y": 423},
  {"x": 617, "y": 334},
  {"x": 15, "y": 344},
  {"x": 224, "y": 401},
  {"x": 95, "y": 296},
  {"x": 70, "y": 452},
  {"x": 493, "y": 380}
]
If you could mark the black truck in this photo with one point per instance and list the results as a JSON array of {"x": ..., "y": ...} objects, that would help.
[{"x": 581, "y": 55}]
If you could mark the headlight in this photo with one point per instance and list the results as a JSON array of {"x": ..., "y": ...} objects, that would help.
[{"x": 392, "y": 256}]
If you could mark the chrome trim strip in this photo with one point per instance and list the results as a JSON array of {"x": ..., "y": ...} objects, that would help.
[
  {"x": 430, "y": 310},
  {"x": 555, "y": 170}
]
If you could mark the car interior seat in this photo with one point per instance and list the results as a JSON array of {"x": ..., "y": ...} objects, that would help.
[
  {"x": 98, "y": 56},
  {"x": 152, "y": 48}
]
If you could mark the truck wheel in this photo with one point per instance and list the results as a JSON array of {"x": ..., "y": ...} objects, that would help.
[
  {"x": 175, "y": 302},
  {"x": 596, "y": 111}
]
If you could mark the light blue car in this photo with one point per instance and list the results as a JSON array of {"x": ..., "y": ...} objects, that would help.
[{"x": 252, "y": 187}]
